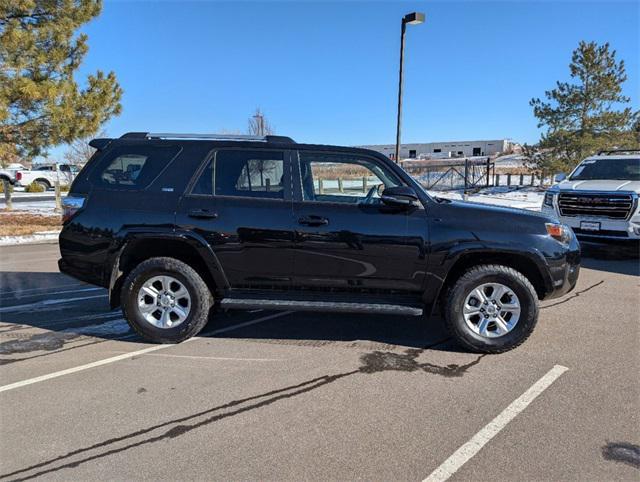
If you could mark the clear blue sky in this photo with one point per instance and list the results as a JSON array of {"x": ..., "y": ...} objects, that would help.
[{"x": 327, "y": 72}]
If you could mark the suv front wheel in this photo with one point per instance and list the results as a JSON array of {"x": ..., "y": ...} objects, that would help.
[
  {"x": 491, "y": 309},
  {"x": 165, "y": 300}
]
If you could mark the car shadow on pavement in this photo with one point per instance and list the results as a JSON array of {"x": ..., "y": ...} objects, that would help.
[
  {"x": 359, "y": 331},
  {"x": 89, "y": 321},
  {"x": 611, "y": 258}
]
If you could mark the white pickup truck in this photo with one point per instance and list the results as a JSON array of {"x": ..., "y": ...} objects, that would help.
[
  {"x": 47, "y": 175},
  {"x": 9, "y": 173},
  {"x": 599, "y": 199}
]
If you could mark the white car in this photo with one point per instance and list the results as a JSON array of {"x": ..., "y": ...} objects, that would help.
[{"x": 599, "y": 199}]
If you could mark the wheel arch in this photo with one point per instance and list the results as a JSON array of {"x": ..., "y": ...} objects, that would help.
[
  {"x": 522, "y": 261},
  {"x": 43, "y": 180},
  {"x": 187, "y": 248}
]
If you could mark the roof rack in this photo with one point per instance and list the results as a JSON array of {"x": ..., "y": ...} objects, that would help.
[
  {"x": 606, "y": 152},
  {"x": 210, "y": 137}
]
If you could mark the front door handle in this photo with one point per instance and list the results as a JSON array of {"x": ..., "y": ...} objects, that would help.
[
  {"x": 202, "y": 214},
  {"x": 313, "y": 220}
]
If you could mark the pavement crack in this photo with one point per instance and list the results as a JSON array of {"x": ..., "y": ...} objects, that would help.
[{"x": 574, "y": 295}]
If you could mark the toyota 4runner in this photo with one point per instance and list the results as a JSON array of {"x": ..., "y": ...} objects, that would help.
[
  {"x": 177, "y": 226},
  {"x": 599, "y": 199}
]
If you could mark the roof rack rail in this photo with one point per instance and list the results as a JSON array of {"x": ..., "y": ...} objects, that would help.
[
  {"x": 612, "y": 151},
  {"x": 211, "y": 137}
]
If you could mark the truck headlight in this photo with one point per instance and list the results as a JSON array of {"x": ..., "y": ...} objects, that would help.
[
  {"x": 548, "y": 199},
  {"x": 559, "y": 232}
]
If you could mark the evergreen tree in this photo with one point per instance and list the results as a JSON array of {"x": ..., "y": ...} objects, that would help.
[
  {"x": 588, "y": 114},
  {"x": 41, "y": 104}
]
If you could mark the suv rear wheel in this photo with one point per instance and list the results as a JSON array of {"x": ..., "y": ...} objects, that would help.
[
  {"x": 166, "y": 301},
  {"x": 491, "y": 309}
]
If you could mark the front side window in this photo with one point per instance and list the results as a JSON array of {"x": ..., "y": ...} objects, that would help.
[
  {"x": 619, "y": 169},
  {"x": 257, "y": 174},
  {"x": 343, "y": 179}
]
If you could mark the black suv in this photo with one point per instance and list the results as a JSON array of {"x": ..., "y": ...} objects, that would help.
[{"x": 176, "y": 226}]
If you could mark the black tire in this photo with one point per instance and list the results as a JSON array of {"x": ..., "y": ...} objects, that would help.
[
  {"x": 479, "y": 275},
  {"x": 44, "y": 184},
  {"x": 201, "y": 300}
]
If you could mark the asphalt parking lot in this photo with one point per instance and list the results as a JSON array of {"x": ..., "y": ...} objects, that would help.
[{"x": 311, "y": 396}]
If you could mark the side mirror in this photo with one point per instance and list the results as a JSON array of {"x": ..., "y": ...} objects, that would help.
[
  {"x": 400, "y": 197},
  {"x": 560, "y": 177}
]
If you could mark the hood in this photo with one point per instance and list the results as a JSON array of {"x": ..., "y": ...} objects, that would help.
[
  {"x": 598, "y": 185},
  {"x": 483, "y": 209}
]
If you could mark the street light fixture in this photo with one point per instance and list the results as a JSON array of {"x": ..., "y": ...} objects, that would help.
[{"x": 413, "y": 18}]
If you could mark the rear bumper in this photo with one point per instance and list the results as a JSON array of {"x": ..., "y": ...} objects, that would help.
[{"x": 82, "y": 273}]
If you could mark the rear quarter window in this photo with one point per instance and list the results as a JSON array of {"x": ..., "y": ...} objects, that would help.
[{"x": 132, "y": 167}]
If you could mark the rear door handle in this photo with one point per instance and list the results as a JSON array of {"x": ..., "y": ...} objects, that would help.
[
  {"x": 202, "y": 214},
  {"x": 313, "y": 220}
]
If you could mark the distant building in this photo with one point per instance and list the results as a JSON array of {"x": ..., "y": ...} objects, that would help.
[{"x": 439, "y": 150}]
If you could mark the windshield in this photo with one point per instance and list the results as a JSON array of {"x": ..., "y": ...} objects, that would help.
[{"x": 619, "y": 169}]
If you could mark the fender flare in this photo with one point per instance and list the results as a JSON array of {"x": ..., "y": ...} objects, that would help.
[
  {"x": 438, "y": 278},
  {"x": 126, "y": 239}
]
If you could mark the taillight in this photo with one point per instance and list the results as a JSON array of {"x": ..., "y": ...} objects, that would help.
[
  {"x": 18, "y": 176},
  {"x": 70, "y": 206}
]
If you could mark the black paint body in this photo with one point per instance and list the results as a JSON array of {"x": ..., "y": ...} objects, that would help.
[{"x": 257, "y": 244}]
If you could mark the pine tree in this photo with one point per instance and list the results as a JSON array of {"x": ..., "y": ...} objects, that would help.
[
  {"x": 41, "y": 104},
  {"x": 588, "y": 114}
]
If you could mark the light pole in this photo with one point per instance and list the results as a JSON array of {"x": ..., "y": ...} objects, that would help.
[{"x": 413, "y": 18}]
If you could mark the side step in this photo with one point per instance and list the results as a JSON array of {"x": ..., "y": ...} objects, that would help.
[{"x": 336, "y": 307}]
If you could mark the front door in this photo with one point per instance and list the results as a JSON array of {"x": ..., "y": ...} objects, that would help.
[
  {"x": 346, "y": 238},
  {"x": 241, "y": 204}
]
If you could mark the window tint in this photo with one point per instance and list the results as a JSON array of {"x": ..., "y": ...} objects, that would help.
[
  {"x": 243, "y": 173},
  {"x": 343, "y": 179},
  {"x": 133, "y": 167}
]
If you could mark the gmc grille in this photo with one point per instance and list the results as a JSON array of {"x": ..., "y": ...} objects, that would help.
[{"x": 613, "y": 206}]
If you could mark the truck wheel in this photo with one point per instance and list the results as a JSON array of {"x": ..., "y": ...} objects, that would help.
[
  {"x": 43, "y": 184},
  {"x": 165, "y": 300},
  {"x": 491, "y": 309}
]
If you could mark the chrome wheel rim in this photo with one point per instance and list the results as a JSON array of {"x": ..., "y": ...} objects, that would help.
[
  {"x": 491, "y": 310},
  {"x": 164, "y": 301}
]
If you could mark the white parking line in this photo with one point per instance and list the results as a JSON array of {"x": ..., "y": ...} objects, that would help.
[
  {"x": 124, "y": 356},
  {"x": 40, "y": 304},
  {"x": 28, "y": 290},
  {"x": 217, "y": 358},
  {"x": 33, "y": 295},
  {"x": 479, "y": 440}
]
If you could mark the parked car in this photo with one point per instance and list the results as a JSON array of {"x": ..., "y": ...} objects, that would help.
[
  {"x": 177, "y": 226},
  {"x": 599, "y": 199},
  {"x": 47, "y": 175},
  {"x": 9, "y": 173}
]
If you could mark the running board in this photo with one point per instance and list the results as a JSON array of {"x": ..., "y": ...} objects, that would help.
[{"x": 337, "y": 307}]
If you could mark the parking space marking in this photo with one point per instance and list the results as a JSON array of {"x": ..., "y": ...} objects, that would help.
[
  {"x": 46, "y": 288},
  {"x": 124, "y": 356},
  {"x": 480, "y": 439},
  {"x": 40, "y": 304},
  {"x": 217, "y": 358},
  {"x": 33, "y": 295}
]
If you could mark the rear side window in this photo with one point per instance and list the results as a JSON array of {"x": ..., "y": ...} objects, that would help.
[
  {"x": 133, "y": 167},
  {"x": 257, "y": 174}
]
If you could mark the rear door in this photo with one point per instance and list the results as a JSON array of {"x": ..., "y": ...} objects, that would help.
[
  {"x": 240, "y": 203},
  {"x": 346, "y": 238}
]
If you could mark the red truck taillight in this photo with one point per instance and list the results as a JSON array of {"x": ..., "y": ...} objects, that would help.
[{"x": 18, "y": 176}]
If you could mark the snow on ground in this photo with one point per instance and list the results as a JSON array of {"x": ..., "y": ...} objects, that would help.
[
  {"x": 43, "y": 208},
  {"x": 510, "y": 160},
  {"x": 525, "y": 198},
  {"x": 41, "y": 237}
]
